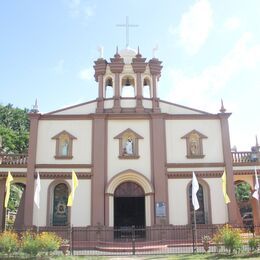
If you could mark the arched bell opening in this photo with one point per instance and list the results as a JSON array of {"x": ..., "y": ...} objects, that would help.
[
  {"x": 109, "y": 89},
  {"x": 147, "y": 91},
  {"x": 127, "y": 87}
]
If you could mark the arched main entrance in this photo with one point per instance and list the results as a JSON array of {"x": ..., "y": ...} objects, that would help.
[{"x": 129, "y": 205}]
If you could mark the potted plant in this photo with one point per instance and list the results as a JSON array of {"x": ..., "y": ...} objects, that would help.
[
  {"x": 206, "y": 242},
  {"x": 65, "y": 246}
]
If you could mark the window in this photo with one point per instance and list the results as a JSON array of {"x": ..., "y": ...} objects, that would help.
[
  {"x": 128, "y": 144},
  {"x": 202, "y": 214},
  {"x": 64, "y": 142},
  {"x": 60, "y": 209},
  {"x": 194, "y": 144}
]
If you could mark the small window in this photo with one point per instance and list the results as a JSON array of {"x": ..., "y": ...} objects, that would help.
[
  {"x": 194, "y": 144},
  {"x": 64, "y": 142},
  {"x": 128, "y": 144}
]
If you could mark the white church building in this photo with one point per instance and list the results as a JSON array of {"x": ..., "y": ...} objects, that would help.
[{"x": 133, "y": 156}]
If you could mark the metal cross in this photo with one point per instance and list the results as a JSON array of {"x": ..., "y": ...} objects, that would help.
[{"x": 127, "y": 25}]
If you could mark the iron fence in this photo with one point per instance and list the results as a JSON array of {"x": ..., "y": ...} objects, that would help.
[{"x": 166, "y": 239}]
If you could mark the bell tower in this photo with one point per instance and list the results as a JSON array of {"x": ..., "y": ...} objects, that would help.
[{"x": 127, "y": 75}]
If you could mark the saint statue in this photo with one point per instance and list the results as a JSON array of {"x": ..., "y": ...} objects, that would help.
[
  {"x": 129, "y": 146},
  {"x": 64, "y": 148}
]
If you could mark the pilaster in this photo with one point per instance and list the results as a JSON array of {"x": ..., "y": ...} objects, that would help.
[
  {"x": 233, "y": 212},
  {"x": 29, "y": 190}
]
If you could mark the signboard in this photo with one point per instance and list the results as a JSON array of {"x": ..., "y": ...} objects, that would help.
[{"x": 160, "y": 209}]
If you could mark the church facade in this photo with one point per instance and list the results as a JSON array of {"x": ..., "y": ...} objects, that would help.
[{"x": 133, "y": 156}]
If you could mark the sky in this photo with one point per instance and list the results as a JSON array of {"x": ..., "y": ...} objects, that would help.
[{"x": 210, "y": 51}]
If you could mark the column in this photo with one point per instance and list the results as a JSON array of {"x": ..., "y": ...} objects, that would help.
[
  {"x": 233, "y": 211},
  {"x": 158, "y": 160},
  {"x": 29, "y": 190},
  {"x": 99, "y": 170}
]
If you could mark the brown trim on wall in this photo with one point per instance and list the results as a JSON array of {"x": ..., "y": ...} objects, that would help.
[
  {"x": 252, "y": 164},
  {"x": 66, "y": 117},
  {"x": 29, "y": 191},
  {"x": 14, "y": 174},
  {"x": 194, "y": 165},
  {"x": 64, "y": 166},
  {"x": 191, "y": 117},
  {"x": 200, "y": 174},
  {"x": 245, "y": 172},
  {"x": 64, "y": 175},
  {"x": 13, "y": 166}
]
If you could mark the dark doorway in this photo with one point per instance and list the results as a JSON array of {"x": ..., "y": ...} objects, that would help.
[{"x": 129, "y": 211}]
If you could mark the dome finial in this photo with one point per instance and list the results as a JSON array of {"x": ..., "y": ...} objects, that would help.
[
  {"x": 35, "y": 108},
  {"x": 222, "y": 109}
]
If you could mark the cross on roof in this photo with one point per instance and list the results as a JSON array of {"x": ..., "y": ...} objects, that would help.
[{"x": 127, "y": 25}]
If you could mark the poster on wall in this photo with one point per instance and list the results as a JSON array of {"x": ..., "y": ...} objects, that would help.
[{"x": 160, "y": 209}]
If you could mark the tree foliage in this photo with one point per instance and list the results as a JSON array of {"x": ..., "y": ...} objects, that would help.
[
  {"x": 242, "y": 191},
  {"x": 14, "y": 129}
]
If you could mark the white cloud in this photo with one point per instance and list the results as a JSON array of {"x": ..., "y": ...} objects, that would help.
[
  {"x": 195, "y": 26},
  {"x": 232, "y": 23},
  {"x": 86, "y": 74},
  {"x": 80, "y": 8},
  {"x": 59, "y": 68},
  {"x": 205, "y": 85}
]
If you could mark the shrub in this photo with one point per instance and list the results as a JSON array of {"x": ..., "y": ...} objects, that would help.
[
  {"x": 30, "y": 243},
  {"x": 8, "y": 242},
  {"x": 230, "y": 237},
  {"x": 253, "y": 244},
  {"x": 49, "y": 242}
]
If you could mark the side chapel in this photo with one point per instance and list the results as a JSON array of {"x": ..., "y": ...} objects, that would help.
[{"x": 133, "y": 156}]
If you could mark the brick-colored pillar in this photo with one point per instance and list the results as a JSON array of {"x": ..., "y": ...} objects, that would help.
[
  {"x": 2, "y": 199},
  {"x": 29, "y": 191},
  {"x": 233, "y": 212},
  {"x": 99, "y": 170},
  {"x": 158, "y": 159}
]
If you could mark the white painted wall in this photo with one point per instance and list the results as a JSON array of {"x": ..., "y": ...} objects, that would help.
[
  {"x": 81, "y": 208},
  {"x": 219, "y": 212},
  {"x": 177, "y": 192},
  {"x": 176, "y": 147},
  {"x": 128, "y": 103},
  {"x": 46, "y": 146},
  {"x": 40, "y": 215},
  {"x": 177, "y": 109},
  {"x": 116, "y": 165},
  {"x": 178, "y": 201},
  {"x": 83, "y": 109}
]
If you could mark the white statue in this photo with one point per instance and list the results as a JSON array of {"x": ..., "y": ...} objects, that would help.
[
  {"x": 64, "y": 149},
  {"x": 129, "y": 146}
]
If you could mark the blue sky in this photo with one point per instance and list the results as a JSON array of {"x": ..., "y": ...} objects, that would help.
[{"x": 210, "y": 50}]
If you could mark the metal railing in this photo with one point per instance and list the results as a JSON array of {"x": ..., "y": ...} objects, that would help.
[{"x": 156, "y": 240}]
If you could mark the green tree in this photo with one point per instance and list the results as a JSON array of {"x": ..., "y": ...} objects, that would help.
[
  {"x": 14, "y": 129},
  {"x": 242, "y": 191}
]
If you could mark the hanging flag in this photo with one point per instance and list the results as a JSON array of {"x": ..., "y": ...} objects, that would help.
[
  {"x": 75, "y": 184},
  {"x": 37, "y": 191},
  {"x": 256, "y": 192},
  {"x": 195, "y": 188},
  {"x": 224, "y": 187},
  {"x": 7, "y": 188}
]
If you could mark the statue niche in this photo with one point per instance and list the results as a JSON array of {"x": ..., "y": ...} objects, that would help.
[{"x": 128, "y": 144}]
